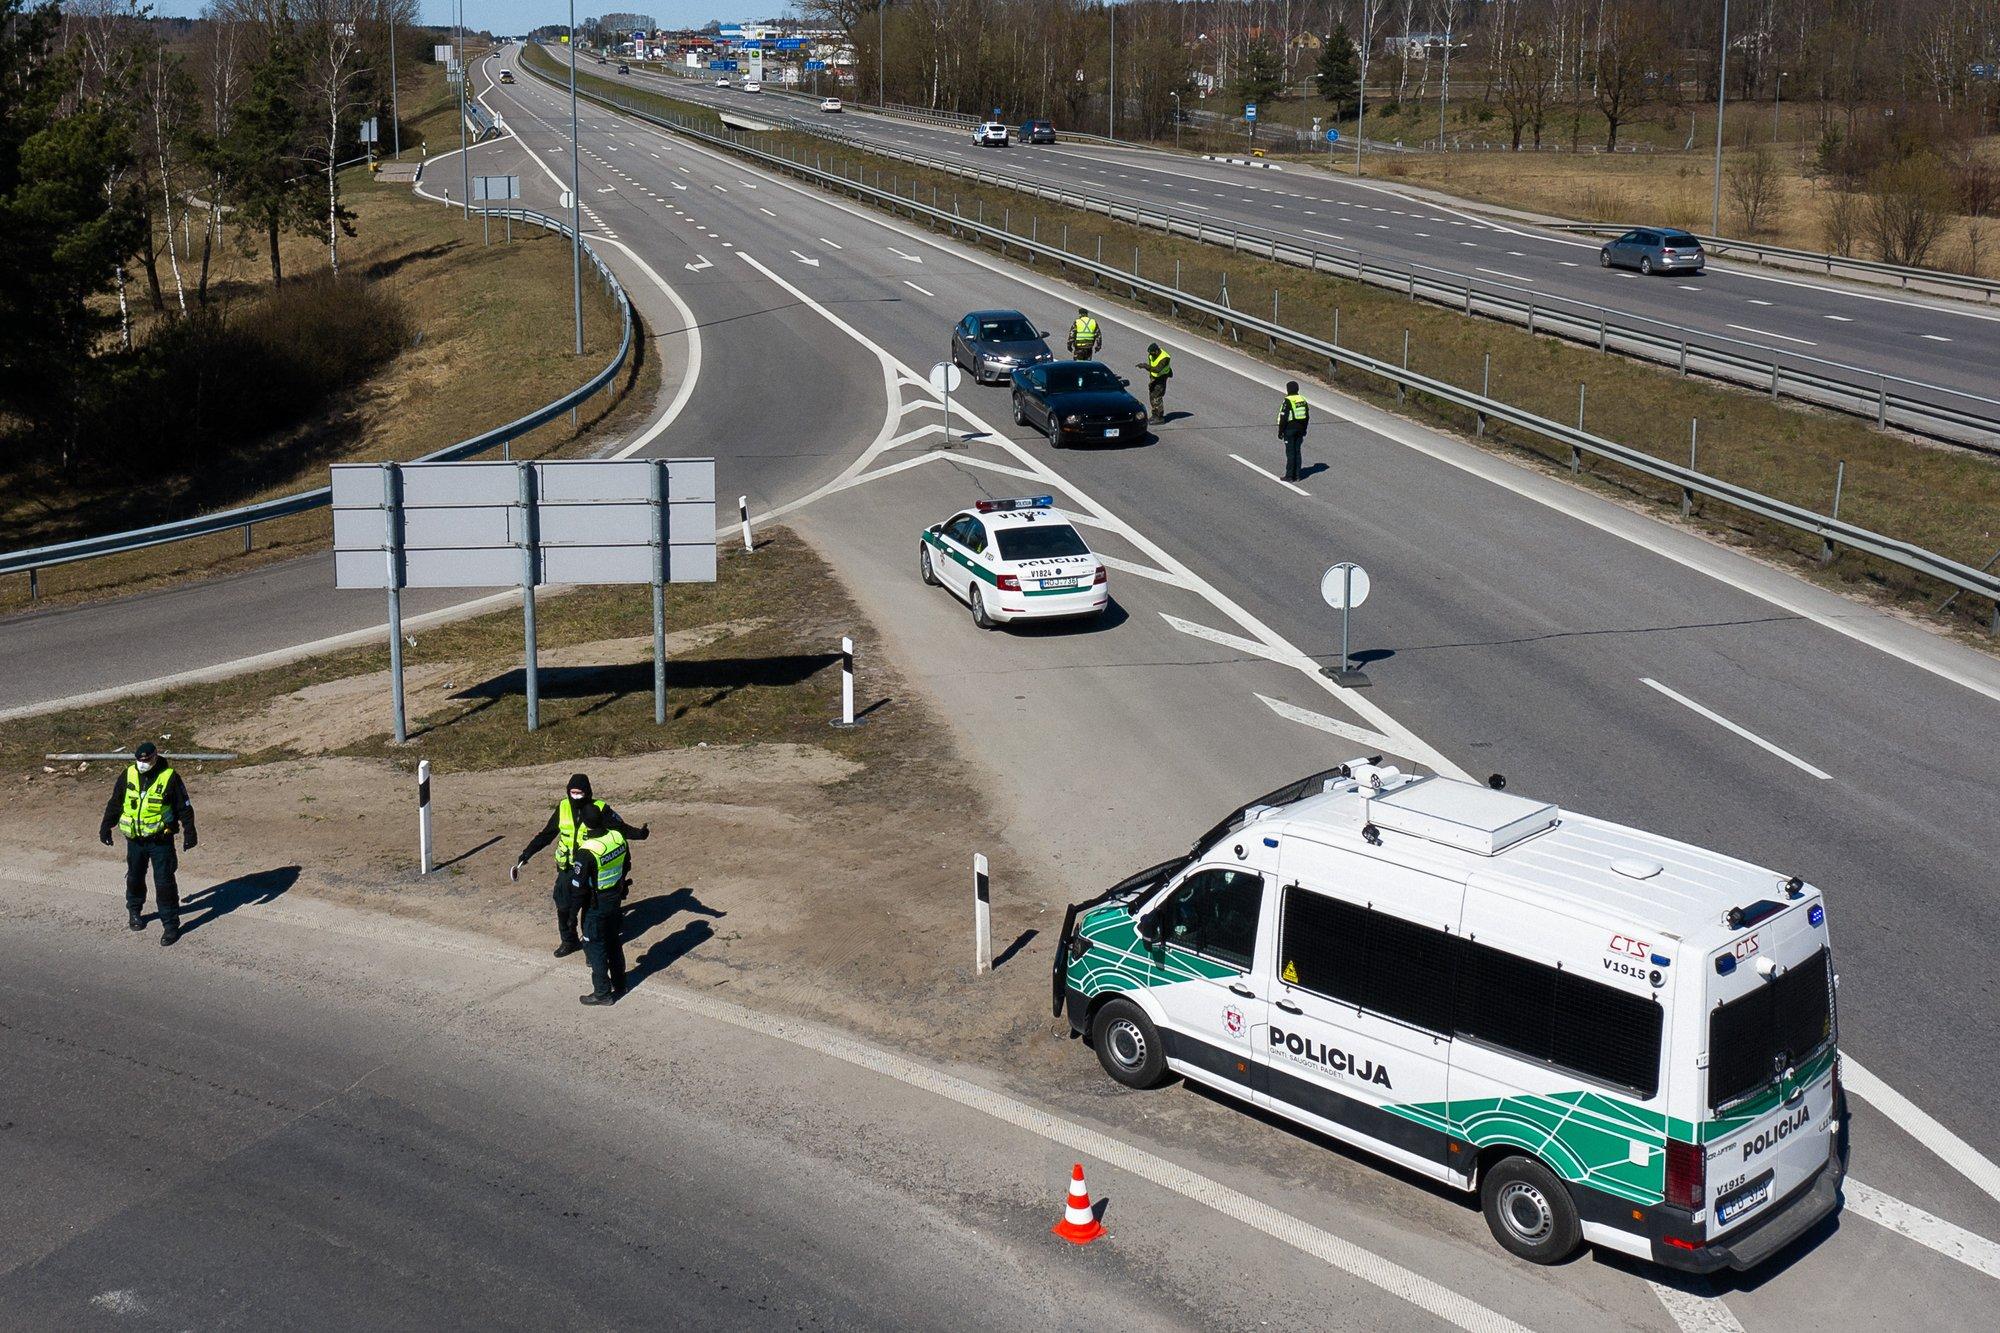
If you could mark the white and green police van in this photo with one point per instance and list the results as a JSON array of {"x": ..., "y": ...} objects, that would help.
[{"x": 1611, "y": 1036}]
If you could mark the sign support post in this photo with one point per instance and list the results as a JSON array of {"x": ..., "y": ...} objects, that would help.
[
  {"x": 1344, "y": 586},
  {"x": 660, "y": 575},
  {"x": 528, "y": 594},
  {"x": 392, "y": 505}
]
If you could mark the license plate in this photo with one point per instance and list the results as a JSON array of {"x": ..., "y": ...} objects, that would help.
[
  {"x": 1111, "y": 432},
  {"x": 1742, "y": 1199},
  {"x": 1058, "y": 583}
]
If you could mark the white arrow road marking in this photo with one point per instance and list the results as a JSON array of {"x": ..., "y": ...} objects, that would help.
[
  {"x": 1237, "y": 642},
  {"x": 606, "y": 189},
  {"x": 1331, "y": 726},
  {"x": 803, "y": 260},
  {"x": 1143, "y": 571},
  {"x": 696, "y": 268},
  {"x": 914, "y": 259}
]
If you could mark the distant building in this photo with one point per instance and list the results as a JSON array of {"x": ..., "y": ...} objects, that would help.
[{"x": 627, "y": 22}]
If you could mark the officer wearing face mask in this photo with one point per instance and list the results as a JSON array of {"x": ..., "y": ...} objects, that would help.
[
  {"x": 566, "y": 829},
  {"x": 149, "y": 804}
]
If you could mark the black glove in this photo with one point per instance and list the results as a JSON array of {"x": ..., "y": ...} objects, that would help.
[
  {"x": 104, "y": 836},
  {"x": 187, "y": 843},
  {"x": 645, "y": 830}
]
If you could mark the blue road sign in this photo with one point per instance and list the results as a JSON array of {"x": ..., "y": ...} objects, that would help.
[
  {"x": 1250, "y": 111},
  {"x": 1333, "y": 136},
  {"x": 638, "y": 36},
  {"x": 722, "y": 64},
  {"x": 815, "y": 64}
]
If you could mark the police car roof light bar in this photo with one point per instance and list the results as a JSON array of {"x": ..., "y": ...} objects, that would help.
[{"x": 1003, "y": 506}]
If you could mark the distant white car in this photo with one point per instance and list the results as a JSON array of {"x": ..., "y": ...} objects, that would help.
[
  {"x": 991, "y": 132},
  {"x": 830, "y": 104},
  {"x": 752, "y": 86},
  {"x": 722, "y": 82}
]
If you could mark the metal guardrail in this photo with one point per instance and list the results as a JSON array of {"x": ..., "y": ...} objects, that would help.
[
  {"x": 35, "y": 559},
  {"x": 1888, "y": 400},
  {"x": 1905, "y": 274},
  {"x": 1830, "y": 530}
]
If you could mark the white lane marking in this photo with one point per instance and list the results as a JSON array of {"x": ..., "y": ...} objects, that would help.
[
  {"x": 714, "y": 186},
  {"x": 765, "y": 211},
  {"x": 1222, "y": 638},
  {"x": 830, "y": 245},
  {"x": 912, "y": 285},
  {"x": 1755, "y": 301},
  {"x": 688, "y": 378},
  {"x": 746, "y": 185},
  {"x": 1949, "y": 1148},
  {"x": 1693, "y": 1312},
  {"x": 1331, "y": 726},
  {"x": 1933, "y": 1233},
  {"x": 914, "y": 259},
  {"x": 1936, "y": 337},
  {"x": 1687, "y": 287},
  {"x": 1782, "y": 337},
  {"x": 1567, "y": 263},
  {"x": 1744, "y": 732},
  {"x": 1329, "y": 235},
  {"x": 1511, "y": 277},
  {"x": 1844, "y": 319},
  {"x": 1129, "y": 567},
  {"x": 804, "y": 260},
  {"x": 1270, "y": 475},
  {"x": 1470, "y": 245}
]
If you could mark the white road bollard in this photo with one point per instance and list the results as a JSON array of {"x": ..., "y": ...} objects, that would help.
[
  {"x": 743, "y": 513},
  {"x": 846, "y": 718},
  {"x": 424, "y": 816},
  {"x": 982, "y": 916}
]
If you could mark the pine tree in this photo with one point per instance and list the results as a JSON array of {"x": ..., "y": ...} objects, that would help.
[
  {"x": 1262, "y": 74},
  {"x": 1339, "y": 73},
  {"x": 263, "y": 159}
]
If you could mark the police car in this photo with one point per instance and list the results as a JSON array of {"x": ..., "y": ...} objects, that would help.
[
  {"x": 1014, "y": 560},
  {"x": 1611, "y": 1037}
]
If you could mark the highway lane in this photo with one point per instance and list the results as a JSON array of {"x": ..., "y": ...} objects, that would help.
[
  {"x": 1739, "y": 307},
  {"x": 1523, "y": 641}
]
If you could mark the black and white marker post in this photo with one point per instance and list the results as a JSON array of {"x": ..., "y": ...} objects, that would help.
[
  {"x": 982, "y": 916},
  {"x": 846, "y": 683},
  {"x": 743, "y": 514},
  {"x": 423, "y": 816}
]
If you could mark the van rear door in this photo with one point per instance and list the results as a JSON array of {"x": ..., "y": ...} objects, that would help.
[{"x": 1771, "y": 1046}]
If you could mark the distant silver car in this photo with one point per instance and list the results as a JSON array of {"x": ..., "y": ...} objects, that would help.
[
  {"x": 990, "y": 132},
  {"x": 993, "y": 344},
  {"x": 829, "y": 104},
  {"x": 1654, "y": 250}
]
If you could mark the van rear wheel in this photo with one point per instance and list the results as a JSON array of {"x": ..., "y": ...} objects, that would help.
[
  {"x": 1529, "y": 1211},
  {"x": 1128, "y": 1045}
]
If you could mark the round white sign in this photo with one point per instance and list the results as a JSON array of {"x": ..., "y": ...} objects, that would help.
[
  {"x": 945, "y": 376},
  {"x": 1344, "y": 585}
]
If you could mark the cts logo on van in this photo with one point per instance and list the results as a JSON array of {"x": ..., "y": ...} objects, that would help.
[
  {"x": 1773, "y": 1135},
  {"x": 1629, "y": 947},
  {"x": 1340, "y": 1062}
]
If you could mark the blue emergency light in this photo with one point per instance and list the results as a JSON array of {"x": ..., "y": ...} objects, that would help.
[{"x": 1003, "y": 506}]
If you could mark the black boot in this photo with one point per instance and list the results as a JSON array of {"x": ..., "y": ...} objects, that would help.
[
  {"x": 133, "y": 920},
  {"x": 565, "y": 949},
  {"x": 594, "y": 998},
  {"x": 169, "y": 932}
]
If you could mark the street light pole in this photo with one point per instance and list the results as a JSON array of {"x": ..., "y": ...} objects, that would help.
[
  {"x": 1361, "y": 105},
  {"x": 464, "y": 149},
  {"x": 395, "y": 107},
  {"x": 1111, "y": 107},
  {"x": 882, "y": 54},
  {"x": 1721, "y": 99},
  {"x": 1177, "y": 120},
  {"x": 575, "y": 199}
]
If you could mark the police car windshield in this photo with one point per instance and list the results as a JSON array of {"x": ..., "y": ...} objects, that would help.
[
  {"x": 1756, "y": 1037},
  {"x": 1040, "y": 543},
  {"x": 1006, "y": 330},
  {"x": 1089, "y": 377}
]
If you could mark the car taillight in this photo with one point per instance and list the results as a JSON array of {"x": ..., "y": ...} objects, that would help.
[
  {"x": 1100, "y": 576},
  {"x": 1687, "y": 1175},
  {"x": 1008, "y": 583}
]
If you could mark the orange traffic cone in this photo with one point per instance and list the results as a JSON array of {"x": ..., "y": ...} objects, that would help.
[{"x": 1079, "y": 1225}]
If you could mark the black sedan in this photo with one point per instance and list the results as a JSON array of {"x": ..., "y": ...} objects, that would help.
[
  {"x": 992, "y": 344},
  {"x": 1038, "y": 131},
  {"x": 1077, "y": 402}
]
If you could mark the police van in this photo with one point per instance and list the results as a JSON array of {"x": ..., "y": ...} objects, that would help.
[{"x": 1612, "y": 1037}]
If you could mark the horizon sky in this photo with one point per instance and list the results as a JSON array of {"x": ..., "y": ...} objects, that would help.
[{"x": 517, "y": 16}]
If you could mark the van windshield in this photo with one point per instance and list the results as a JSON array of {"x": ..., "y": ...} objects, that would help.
[{"x": 1756, "y": 1037}]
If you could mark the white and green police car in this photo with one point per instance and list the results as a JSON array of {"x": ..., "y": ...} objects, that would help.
[
  {"x": 1612, "y": 1037},
  {"x": 1014, "y": 560}
]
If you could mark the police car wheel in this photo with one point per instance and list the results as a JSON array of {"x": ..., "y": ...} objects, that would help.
[
  {"x": 1128, "y": 1045},
  {"x": 979, "y": 616},
  {"x": 1529, "y": 1211},
  {"x": 924, "y": 566}
]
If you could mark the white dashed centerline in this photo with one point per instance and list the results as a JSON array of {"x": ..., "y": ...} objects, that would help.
[
  {"x": 1744, "y": 732},
  {"x": 913, "y": 286}
]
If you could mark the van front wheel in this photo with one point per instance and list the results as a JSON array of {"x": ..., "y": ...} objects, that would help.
[
  {"x": 1128, "y": 1045},
  {"x": 1529, "y": 1211}
]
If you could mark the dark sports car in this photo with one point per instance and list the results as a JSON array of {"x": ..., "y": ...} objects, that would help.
[{"x": 1076, "y": 402}]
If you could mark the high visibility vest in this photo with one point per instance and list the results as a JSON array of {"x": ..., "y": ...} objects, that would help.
[
  {"x": 1085, "y": 331},
  {"x": 1293, "y": 410},
  {"x": 567, "y": 831},
  {"x": 145, "y": 812},
  {"x": 612, "y": 858},
  {"x": 1159, "y": 365}
]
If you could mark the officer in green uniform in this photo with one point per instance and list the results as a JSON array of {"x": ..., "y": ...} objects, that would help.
[
  {"x": 149, "y": 804},
  {"x": 1292, "y": 416},
  {"x": 1083, "y": 336},
  {"x": 565, "y": 829},
  {"x": 1159, "y": 368},
  {"x": 602, "y": 871}
]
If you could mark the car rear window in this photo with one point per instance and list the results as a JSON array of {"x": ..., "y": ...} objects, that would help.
[
  {"x": 1680, "y": 240},
  {"x": 1006, "y": 330},
  {"x": 1086, "y": 378},
  {"x": 1040, "y": 543}
]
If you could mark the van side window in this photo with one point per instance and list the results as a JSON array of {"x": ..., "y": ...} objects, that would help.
[
  {"x": 1379, "y": 963},
  {"x": 1214, "y": 912},
  {"x": 1559, "y": 1018}
]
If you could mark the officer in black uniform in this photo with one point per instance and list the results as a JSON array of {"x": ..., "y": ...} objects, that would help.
[
  {"x": 566, "y": 829},
  {"x": 600, "y": 873},
  {"x": 149, "y": 804},
  {"x": 1292, "y": 414}
]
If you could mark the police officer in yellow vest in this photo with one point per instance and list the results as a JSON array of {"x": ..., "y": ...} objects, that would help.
[
  {"x": 601, "y": 872},
  {"x": 1159, "y": 368},
  {"x": 1083, "y": 336},
  {"x": 566, "y": 829},
  {"x": 1292, "y": 416},
  {"x": 149, "y": 804}
]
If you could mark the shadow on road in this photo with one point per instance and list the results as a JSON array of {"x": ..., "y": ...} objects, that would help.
[
  {"x": 647, "y": 913},
  {"x": 219, "y": 900}
]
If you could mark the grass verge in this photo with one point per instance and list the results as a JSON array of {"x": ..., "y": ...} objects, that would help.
[
  {"x": 487, "y": 348},
  {"x": 1941, "y": 498}
]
